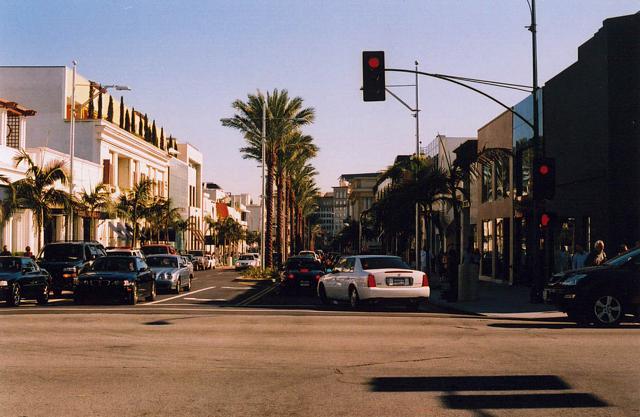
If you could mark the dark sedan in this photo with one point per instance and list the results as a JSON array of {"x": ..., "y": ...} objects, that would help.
[
  {"x": 301, "y": 272},
  {"x": 128, "y": 278},
  {"x": 602, "y": 295},
  {"x": 21, "y": 278}
]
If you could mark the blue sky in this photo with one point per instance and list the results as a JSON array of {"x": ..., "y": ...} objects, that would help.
[{"x": 186, "y": 61}]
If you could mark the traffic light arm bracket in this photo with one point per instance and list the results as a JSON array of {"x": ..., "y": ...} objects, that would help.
[
  {"x": 401, "y": 101},
  {"x": 452, "y": 80}
]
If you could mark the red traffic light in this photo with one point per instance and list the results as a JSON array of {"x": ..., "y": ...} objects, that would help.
[
  {"x": 544, "y": 169},
  {"x": 545, "y": 219},
  {"x": 373, "y": 62}
]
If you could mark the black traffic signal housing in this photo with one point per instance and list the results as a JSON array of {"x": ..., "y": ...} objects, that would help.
[
  {"x": 547, "y": 219},
  {"x": 544, "y": 178},
  {"x": 373, "y": 84}
]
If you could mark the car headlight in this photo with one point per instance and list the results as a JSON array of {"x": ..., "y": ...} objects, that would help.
[
  {"x": 4, "y": 283},
  {"x": 573, "y": 279},
  {"x": 126, "y": 282}
]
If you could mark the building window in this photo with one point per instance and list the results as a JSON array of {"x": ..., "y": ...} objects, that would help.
[
  {"x": 487, "y": 247},
  {"x": 502, "y": 177},
  {"x": 13, "y": 131},
  {"x": 487, "y": 186}
]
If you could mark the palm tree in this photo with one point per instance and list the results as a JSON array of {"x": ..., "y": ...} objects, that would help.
[
  {"x": 37, "y": 190},
  {"x": 284, "y": 116},
  {"x": 133, "y": 203},
  {"x": 92, "y": 203}
]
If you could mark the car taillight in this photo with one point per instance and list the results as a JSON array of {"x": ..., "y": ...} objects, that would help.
[
  {"x": 425, "y": 280},
  {"x": 371, "y": 281},
  {"x": 290, "y": 276},
  {"x": 317, "y": 277}
]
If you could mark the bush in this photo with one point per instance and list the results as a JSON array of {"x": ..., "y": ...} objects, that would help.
[{"x": 259, "y": 274}]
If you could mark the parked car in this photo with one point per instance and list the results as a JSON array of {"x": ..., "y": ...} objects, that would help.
[
  {"x": 125, "y": 252},
  {"x": 172, "y": 272},
  {"x": 245, "y": 261},
  {"x": 374, "y": 279},
  {"x": 309, "y": 254},
  {"x": 301, "y": 272},
  {"x": 22, "y": 278},
  {"x": 602, "y": 295},
  {"x": 65, "y": 260},
  {"x": 188, "y": 262},
  {"x": 198, "y": 259},
  {"x": 122, "y": 277},
  {"x": 210, "y": 261},
  {"x": 158, "y": 249}
]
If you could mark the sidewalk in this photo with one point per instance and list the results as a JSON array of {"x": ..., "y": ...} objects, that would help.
[{"x": 498, "y": 300}]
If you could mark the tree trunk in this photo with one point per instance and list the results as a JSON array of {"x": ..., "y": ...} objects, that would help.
[
  {"x": 291, "y": 210},
  {"x": 268, "y": 232},
  {"x": 280, "y": 213}
]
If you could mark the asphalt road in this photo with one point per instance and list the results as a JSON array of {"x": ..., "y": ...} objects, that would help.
[{"x": 205, "y": 353}]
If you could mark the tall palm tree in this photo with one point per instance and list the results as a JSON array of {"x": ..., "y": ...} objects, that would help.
[
  {"x": 132, "y": 205},
  {"x": 284, "y": 115},
  {"x": 92, "y": 203},
  {"x": 37, "y": 190}
]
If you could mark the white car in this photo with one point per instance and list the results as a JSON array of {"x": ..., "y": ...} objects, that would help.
[
  {"x": 310, "y": 254},
  {"x": 125, "y": 252},
  {"x": 246, "y": 260},
  {"x": 374, "y": 279}
]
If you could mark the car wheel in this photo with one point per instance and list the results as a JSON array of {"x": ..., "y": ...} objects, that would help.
[
  {"x": 354, "y": 299},
  {"x": 133, "y": 297},
  {"x": 178, "y": 287},
  {"x": 44, "y": 297},
  {"x": 322, "y": 293},
  {"x": 152, "y": 296},
  {"x": 607, "y": 310},
  {"x": 16, "y": 296}
]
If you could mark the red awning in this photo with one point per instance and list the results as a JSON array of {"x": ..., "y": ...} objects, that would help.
[{"x": 222, "y": 210}]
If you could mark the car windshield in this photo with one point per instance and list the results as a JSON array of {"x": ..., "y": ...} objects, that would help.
[
  {"x": 385, "y": 262},
  {"x": 62, "y": 252},
  {"x": 119, "y": 253},
  {"x": 9, "y": 265},
  {"x": 247, "y": 257},
  {"x": 624, "y": 258},
  {"x": 154, "y": 250},
  {"x": 303, "y": 263},
  {"x": 114, "y": 264},
  {"x": 162, "y": 262}
]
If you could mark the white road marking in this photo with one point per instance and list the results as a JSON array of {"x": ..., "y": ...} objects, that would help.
[
  {"x": 205, "y": 299},
  {"x": 177, "y": 296},
  {"x": 234, "y": 288}
]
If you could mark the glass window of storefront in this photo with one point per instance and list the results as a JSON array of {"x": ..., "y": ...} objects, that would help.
[
  {"x": 487, "y": 186},
  {"x": 487, "y": 247}
]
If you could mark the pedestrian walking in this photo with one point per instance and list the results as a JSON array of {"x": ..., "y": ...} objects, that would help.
[
  {"x": 597, "y": 256},
  {"x": 5, "y": 251},
  {"x": 452, "y": 273},
  {"x": 579, "y": 257}
]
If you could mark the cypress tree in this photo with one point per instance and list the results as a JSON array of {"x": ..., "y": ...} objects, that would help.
[
  {"x": 162, "y": 138},
  {"x": 99, "y": 104},
  {"x": 154, "y": 134},
  {"x": 121, "y": 124},
  {"x": 133, "y": 120},
  {"x": 140, "y": 128},
  {"x": 91, "y": 90},
  {"x": 127, "y": 122},
  {"x": 147, "y": 134},
  {"x": 110, "y": 110}
]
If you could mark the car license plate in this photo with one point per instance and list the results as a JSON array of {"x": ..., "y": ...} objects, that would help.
[
  {"x": 304, "y": 283},
  {"x": 397, "y": 282}
]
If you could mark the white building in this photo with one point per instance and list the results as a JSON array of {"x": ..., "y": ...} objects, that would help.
[
  {"x": 185, "y": 191},
  {"x": 104, "y": 152}
]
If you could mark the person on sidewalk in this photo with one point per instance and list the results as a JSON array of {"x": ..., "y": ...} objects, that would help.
[
  {"x": 452, "y": 273},
  {"x": 5, "y": 251},
  {"x": 578, "y": 259},
  {"x": 597, "y": 256},
  {"x": 27, "y": 252}
]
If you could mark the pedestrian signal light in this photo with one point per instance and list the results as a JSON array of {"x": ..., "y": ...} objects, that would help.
[
  {"x": 373, "y": 82},
  {"x": 547, "y": 219}
]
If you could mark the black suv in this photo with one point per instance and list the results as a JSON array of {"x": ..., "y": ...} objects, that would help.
[{"x": 64, "y": 260}]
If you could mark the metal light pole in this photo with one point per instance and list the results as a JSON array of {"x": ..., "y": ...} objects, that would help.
[
  {"x": 417, "y": 116},
  {"x": 72, "y": 145},
  {"x": 262, "y": 199}
]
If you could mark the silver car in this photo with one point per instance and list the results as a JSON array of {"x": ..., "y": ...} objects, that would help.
[{"x": 172, "y": 272}]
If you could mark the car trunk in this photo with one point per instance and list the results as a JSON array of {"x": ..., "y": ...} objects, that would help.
[{"x": 395, "y": 278}]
